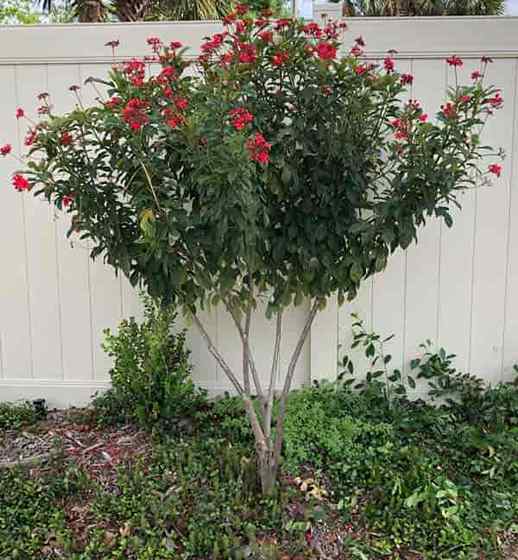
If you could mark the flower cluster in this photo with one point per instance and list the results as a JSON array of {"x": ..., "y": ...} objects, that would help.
[
  {"x": 258, "y": 148},
  {"x": 143, "y": 100},
  {"x": 20, "y": 183},
  {"x": 134, "y": 113},
  {"x": 240, "y": 117}
]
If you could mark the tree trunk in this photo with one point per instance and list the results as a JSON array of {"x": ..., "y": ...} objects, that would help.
[
  {"x": 268, "y": 470},
  {"x": 268, "y": 444}
]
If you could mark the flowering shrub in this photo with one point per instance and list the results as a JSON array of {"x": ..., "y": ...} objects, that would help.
[{"x": 279, "y": 170}]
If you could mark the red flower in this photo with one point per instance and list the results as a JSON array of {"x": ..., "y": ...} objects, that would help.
[
  {"x": 476, "y": 75},
  {"x": 464, "y": 98},
  {"x": 279, "y": 58},
  {"x": 241, "y": 9},
  {"x": 247, "y": 53},
  {"x": 449, "y": 110},
  {"x": 359, "y": 41},
  {"x": 133, "y": 113},
  {"x": 240, "y": 27},
  {"x": 258, "y": 148},
  {"x": 20, "y": 113},
  {"x": 20, "y": 183},
  {"x": 181, "y": 103},
  {"x": 173, "y": 45},
  {"x": 226, "y": 58},
  {"x": 361, "y": 69},
  {"x": 175, "y": 121},
  {"x": 327, "y": 90},
  {"x": 113, "y": 102},
  {"x": 282, "y": 23},
  {"x": 326, "y": 51},
  {"x": 401, "y": 126},
  {"x": 266, "y": 36},
  {"x": 66, "y": 138},
  {"x": 312, "y": 29},
  {"x": 168, "y": 72},
  {"x": 388, "y": 64},
  {"x": 30, "y": 137},
  {"x": 423, "y": 118},
  {"x": 496, "y": 101},
  {"x": 356, "y": 51},
  {"x": 229, "y": 18},
  {"x": 215, "y": 42},
  {"x": 67, "y": 200},
  {"x": 407, "y": 79},
  {"x": 240, "y": 117},
  {"x": 495, "y": 169},
  {"x": 454, "y": 61},
  {"x": 155, "y": 43},
  {"x": 6, "y": 149}
]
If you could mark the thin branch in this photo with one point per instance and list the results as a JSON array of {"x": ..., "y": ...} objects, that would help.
[
  {"x": 298, "y": 348},
  {"x": 219, "y": 358},
  {"x": 249, "y": 406},
  {"x": 279, "y": 435},
  {"x": 153, "y": 192},
  {"x": 246, "y": 362},
  {"x": 246, "y": 343},
  {"x": 275, "y": 364}
]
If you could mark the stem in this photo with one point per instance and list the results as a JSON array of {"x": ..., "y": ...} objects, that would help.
[
  {"x": 246, "y": 362},
  {"x": 246, "y": 344},
  {"x": 279, "y": 435},
  {"x": 146, "y": 173},
  {"x": 275, "y": 364},
  {"x": 219, "y": 358}
]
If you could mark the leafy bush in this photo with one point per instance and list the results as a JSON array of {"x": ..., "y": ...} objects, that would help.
[
  {"x": 15, "y": 415},
  {"x": 151, "y": 375},
  {"x": 30, "y": 513},
  {"x": 430, "y": 479}
]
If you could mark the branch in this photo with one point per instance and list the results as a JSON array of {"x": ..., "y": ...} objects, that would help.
[
  {"x": 298, "y": 348},
  {"x": 246, "y": 344},
  {"x": 275, "y": 363},
  {"x": 246, "y": 359},
  {"x": 219, "y": 358},
  {"x": 254, "y": 421},
  {"x": 279, "y": 435}
]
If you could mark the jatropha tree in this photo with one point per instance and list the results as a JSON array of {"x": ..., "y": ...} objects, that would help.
[{"x": 278, "y": 171}]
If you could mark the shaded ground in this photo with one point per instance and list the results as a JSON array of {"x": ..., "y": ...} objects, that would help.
[{"x": 67, "y": 437}]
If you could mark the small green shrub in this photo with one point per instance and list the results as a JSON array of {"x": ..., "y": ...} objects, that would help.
[
  {"x": 15, "y": 415},
  {"x": 30, "y": 513},
  {"x": 424, "y": 478},
  {"x": 151, "y": 375}
]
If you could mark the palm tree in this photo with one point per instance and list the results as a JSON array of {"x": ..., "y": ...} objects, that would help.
[
  {"x": 138, "y": 10},
  {"x": 191, "y": 9},
  {"x": 423, "y": 7}
]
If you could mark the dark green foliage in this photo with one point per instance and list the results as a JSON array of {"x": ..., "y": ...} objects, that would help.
[
  {"x": 151, "y": 376},
  {"x": 350, "y": 172},
  {"x": 15, "y": 415},
  {"x": 31, "y": 515},
  {"x": 437, "y": 479}
]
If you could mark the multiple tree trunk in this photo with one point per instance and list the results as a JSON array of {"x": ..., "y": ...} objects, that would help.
[{"x": 258, "y": 399}]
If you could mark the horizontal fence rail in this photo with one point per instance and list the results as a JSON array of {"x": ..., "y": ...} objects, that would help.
[{"x": 457, "y": 287}]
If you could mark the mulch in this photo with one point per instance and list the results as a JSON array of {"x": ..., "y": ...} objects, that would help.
[{"x": 67, "y": 434}]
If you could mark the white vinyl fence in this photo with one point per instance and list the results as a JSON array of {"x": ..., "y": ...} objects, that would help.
[{"x": 457, "y": 287}]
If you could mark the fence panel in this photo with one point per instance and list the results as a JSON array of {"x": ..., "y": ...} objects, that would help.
[{"x": 458, "y": 287}]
